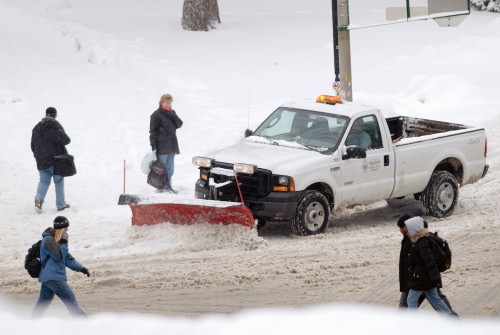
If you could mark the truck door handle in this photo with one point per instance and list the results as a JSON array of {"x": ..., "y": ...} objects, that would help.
[{"x": 386, "y": 160}]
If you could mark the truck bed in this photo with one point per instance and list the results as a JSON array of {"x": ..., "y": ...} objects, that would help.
[{"x": 406, "y": 127}]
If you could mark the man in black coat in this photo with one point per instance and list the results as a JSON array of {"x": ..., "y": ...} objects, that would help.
[
  {"x": 49, "y": 139},
  {"x": 163, "y": 138},
  {"x": 403, "y": 266},
  {"x": 403, "y": 262},
  {"x": 424, "y": 275}
]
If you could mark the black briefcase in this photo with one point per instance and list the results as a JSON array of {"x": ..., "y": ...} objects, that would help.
[{"x": 64, "y": 165}]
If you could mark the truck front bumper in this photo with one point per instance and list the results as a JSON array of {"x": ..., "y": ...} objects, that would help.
[{"x": 276, "y": 206}]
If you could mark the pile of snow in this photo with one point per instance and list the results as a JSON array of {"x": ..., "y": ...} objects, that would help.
[
  {"x": 489, "y": 5},
  {"x": 327, "y": 319}
]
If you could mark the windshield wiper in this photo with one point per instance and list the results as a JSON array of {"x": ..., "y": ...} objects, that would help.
[
  {"x": 273, "y": 142},
  {"x": 310, "y": 147}
]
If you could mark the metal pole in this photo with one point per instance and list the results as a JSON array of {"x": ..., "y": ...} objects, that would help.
[
  {"x": 335, "y": 24},
  {"x": 124, "y": 177},
  {"x": 344, "y": 50}
]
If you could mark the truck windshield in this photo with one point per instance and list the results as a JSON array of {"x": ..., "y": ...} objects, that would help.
[{"x": 321, "y": 131}]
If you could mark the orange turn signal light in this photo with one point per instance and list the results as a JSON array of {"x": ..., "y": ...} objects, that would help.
[
  {"x": 285, "y": 188},
  {"x": 279, "y": 188}
]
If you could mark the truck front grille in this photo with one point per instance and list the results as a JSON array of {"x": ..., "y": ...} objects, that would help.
[{"x": 252, "y": 187}]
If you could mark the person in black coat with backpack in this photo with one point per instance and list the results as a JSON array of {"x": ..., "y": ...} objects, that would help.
[
  {"x": 403, "y": 266},
  {"x": 424, "y": 276},
  {"x": 49, "y": 139}
]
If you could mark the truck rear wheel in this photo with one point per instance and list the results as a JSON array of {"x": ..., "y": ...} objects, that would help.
[
  {"x": 311, "y": 216},
  {"x": 440, "y": 197}
]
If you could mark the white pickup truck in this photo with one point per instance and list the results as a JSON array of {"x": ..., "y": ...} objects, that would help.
[{"x": 310, "y": 158}]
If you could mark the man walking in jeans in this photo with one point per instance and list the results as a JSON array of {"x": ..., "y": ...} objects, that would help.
[{"x": 49, "y": 139}]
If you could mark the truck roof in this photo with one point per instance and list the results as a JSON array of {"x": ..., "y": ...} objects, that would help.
[{"x": 345, "y": 108}]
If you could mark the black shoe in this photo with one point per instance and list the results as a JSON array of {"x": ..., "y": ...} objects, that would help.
[
  {"x": 64, "y": 207},
  {"x": 173, "y": 191}
]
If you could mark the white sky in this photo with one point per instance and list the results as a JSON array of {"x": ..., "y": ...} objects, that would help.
[{"x": 104, "y": 66}]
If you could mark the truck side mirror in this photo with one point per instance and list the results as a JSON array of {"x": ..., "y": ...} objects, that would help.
[
  {"x": 354, "y": 152},
  {"x": 248, "y": 133}
]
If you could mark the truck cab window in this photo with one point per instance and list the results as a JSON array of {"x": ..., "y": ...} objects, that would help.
[{"x": 365, "y": 133}]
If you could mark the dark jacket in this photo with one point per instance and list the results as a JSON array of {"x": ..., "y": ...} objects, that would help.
[
  {"x": 423, "y": 270},
  {"x": 403, "y": 264},
  {"x": 48, "y": 139},
  {"x": 162, "y": 129},
  {"x": 59, "y": 258}
]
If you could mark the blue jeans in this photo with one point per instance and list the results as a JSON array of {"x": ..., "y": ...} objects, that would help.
[
  {"x": 432, "y": 296},
  {"x": 168, "y": 160},
  {"x": 44, "y": 183},
  {"x": 63, "y": 291}
]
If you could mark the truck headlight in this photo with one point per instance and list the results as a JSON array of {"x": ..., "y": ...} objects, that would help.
[
  {"x": 202, "y": 161},
  {"x": 283, "y": 184},
  {"x": 244, "y": 168}
]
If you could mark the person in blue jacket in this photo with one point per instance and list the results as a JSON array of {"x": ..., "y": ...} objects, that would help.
[{"x": 55, "y": 257}]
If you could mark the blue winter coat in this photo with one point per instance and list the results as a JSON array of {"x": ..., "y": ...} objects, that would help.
[{"x": 59, "y": 258}]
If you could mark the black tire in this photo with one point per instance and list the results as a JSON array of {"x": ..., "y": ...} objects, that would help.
[
  {"x": 440, "y": 197},
  {"x": 311, "y": 216},
  {"x": 261, "y": 224}
]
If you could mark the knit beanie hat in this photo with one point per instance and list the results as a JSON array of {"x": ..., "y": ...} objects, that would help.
[
  {"x": 414, "y": 225},
  {"x": 61, "y": 222},
  {"x": 402, "y": 219},
  {"x": 51, "y": 111}
]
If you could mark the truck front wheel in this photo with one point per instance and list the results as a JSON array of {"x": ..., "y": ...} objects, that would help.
[
  {"x": 311, "y": 216},
  {"x": 440, "y": 197}
]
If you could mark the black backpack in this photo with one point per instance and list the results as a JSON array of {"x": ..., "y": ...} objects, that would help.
[
  {"x": 32, "y": 261},
  {"x": 441, "y": 251}
]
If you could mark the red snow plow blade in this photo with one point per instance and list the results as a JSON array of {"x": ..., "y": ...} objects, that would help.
[{"x": 195, "y": 211}]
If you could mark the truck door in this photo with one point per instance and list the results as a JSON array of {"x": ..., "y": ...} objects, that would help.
[{"x": 364, "y": 180}]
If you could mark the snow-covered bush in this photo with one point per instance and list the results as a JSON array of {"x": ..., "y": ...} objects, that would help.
[{"x": 489, "y": 5}]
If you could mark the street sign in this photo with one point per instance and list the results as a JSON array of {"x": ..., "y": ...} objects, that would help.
[
  {"x": 336, "y": 86},
  {"x": 397, "y": 13},
  {"x": 363, "y": 14}
]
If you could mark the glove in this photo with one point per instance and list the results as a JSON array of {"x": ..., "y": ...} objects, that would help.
[
  {"x": 64, "y": 238},
  {"x": 85, "y": 271}
]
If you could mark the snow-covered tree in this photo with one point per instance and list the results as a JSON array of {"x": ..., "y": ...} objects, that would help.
[
  {"x": 489, "y": 5},
  {"x": 200, "y": 15}
]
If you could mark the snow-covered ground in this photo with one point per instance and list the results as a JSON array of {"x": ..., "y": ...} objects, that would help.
[{"x": 104, "y": 66}]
